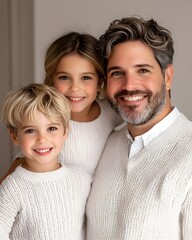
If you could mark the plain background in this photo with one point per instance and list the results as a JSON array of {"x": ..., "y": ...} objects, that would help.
[{"x": 27, "y": 27}]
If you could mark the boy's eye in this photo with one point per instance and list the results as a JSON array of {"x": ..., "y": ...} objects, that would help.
[
  {"x": 28, "y": 131},
  {"x": 52, "y": 128}
]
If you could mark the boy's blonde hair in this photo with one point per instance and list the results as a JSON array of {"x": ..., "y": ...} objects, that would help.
[{"x": 26, "y": 101}]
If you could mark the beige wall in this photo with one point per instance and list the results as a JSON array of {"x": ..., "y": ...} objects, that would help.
[
  {"x": 28, "y": 26},
  {"x": 94, "y": 17},
  {"x": 16, "y": 68}
]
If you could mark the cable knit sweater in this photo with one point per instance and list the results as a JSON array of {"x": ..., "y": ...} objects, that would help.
[
  {"x": 86, "y": 140},
  {"x": 44, "y": 206},
  {"x": 148, "y": 197}
]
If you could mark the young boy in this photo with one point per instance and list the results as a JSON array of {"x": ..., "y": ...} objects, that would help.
[{"x": 41, "y": 199}]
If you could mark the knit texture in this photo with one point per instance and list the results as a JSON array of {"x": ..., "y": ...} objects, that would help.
[
  {"x": 44, "y": 206},
  {"x": 86, "y": 140},
  {"x": 148, "y": 197}
]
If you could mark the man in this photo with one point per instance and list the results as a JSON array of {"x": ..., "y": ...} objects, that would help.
[{"x": 142, "y": 189}]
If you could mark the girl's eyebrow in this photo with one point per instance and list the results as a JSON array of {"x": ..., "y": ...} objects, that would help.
[
  {"x": 92, "y": 73},
  {"x": 61, "y": 72}
]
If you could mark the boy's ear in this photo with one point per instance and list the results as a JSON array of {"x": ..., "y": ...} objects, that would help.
[
  {"x": 66, "y": 131},
  {"x": 13, "y": 137}
]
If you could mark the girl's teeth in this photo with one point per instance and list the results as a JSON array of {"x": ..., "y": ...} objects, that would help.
[
  {"x": 42, "y": 150},
  {"x": 75, "y": 99}
]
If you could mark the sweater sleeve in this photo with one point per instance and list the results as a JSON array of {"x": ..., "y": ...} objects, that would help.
[
  {"x": 187, "y": 217},
  {"x": 9, "y": 208}
]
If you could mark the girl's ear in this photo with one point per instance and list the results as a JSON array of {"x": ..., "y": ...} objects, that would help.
[
  {"x": 100, "y": 90},
  {"x": 13, "y": 137}
]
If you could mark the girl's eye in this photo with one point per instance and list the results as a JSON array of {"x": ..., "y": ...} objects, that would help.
[
  {"x": 86, "y": 78},
  {"x": 64, "y": 77}
]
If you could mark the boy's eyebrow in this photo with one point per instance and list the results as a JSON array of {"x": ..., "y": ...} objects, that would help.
[
  {"x": 27, "y": 126},
  {"x": 57, "y": 123},
  {"x": 33, "y": 126}
]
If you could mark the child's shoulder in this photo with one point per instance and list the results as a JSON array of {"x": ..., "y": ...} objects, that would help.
[
  {"x": 103, "y": 102},
  {"x": 105, "y": 105},
  {"x": 107, "y": 112},
  {"x": 9, "y": 183},
  {"x": 77, "y": 171}
]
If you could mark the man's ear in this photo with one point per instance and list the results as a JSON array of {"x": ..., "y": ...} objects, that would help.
[
  {"x": 13, "y": 137},
  {"x": 169, "y": 77}
]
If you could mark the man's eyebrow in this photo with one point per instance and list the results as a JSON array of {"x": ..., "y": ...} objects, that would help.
[
  {"x": 113, "y": 68},
  {"x": 144, "y": 65}
]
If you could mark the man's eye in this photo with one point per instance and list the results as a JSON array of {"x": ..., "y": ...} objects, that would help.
[
  {"x": 117, "y": 74},
  {"x": 143, "y": 70}
]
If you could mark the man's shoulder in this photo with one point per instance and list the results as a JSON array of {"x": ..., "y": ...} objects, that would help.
[{"x": 184, "y": 121}]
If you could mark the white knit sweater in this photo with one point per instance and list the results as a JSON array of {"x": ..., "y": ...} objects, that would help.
[
  {"x": 86, "y": 140},
  {"x": 44, "y": 206},
  {"x": 148, "y": 197}
]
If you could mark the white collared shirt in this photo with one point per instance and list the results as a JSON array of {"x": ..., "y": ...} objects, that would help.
[{"x": 143, "y": 140}]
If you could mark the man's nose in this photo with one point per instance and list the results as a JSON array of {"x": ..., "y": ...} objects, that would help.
[{"x": 129, "y": 82}]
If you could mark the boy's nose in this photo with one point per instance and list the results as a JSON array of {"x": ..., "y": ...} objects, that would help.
[{"x": 41, "y": 137}]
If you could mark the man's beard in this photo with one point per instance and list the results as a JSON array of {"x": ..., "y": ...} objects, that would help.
[{"x": 130, "y": 115}]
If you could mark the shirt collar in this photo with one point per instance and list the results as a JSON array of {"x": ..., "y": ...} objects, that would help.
[{"x": 158, "y": 128}]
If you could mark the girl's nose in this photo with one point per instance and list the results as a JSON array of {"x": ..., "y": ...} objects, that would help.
[{"x": 75, "y": 85}]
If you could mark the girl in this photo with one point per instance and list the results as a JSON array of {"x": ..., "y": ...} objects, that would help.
[{"x": 73, "y": 66}]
